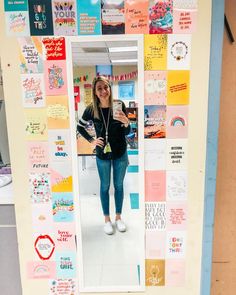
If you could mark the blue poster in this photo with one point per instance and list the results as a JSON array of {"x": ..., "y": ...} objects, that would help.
[
  {"x": 66, "y": 265},
  {"x": 15, "y": 5},
  {"x": 89, "y": 17},
  {"x": 63, "y": 207}
]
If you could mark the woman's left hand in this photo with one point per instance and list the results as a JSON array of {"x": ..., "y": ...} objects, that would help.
[{"x": 120, "y": 116}]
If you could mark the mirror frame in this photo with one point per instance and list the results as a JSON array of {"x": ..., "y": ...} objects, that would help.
[{"x": 140, "y": 100}]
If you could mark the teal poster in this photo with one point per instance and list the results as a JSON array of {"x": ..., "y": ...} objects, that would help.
[
  {"x": 63, "y": 207},
  {"x": 66, "y": 265},
  {"x": 15, "y": 5},
  {"x": 89, "y": 17}
]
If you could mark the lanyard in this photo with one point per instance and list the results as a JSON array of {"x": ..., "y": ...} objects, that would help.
[{"x": 106, "y": 125}]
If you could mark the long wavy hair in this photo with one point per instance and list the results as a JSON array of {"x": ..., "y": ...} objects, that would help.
[{"x": 95, "y": 99}]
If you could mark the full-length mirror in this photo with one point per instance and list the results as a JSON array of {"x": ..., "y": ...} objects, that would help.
[{"x": 108, "y": 83}]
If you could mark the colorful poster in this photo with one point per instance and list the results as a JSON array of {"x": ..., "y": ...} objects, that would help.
[
  {"x": 160, "y": 16},
  {"x": 155, "y": 186},
  {"x": 179, "y": 52},
  {"x": 176, "y": 215},
  {"x": 176, "y": 185},
  {"x": 176, "y": 244},
  {"x": 44, "y": 246},
  {"x": 113, "y": 17},
  {"x": 177, "y": 122},
  {"x": 155, "y": 215},
  {"x": 57, "y": 112},
  {"x": 65, "y": 236},
  {"x": 61, "y": 177},
  {"x": 155, "y": 272},
  {"x": 40, "y": 15},
  {"x": 155, "y": 87},
  {"x": 15, "y": 5},
  {"x": 38, "y": 156},
  {"x": 64, "y": 17},
  {"x": 155, "y": 244},
  {"x": 183, "y": 4},
  {"x": 185, "y": 21},
  {"x": 89, "y": 17},
  {"x": 155, "y": 52},
  {"x": 178, "y": 87},
  {"x": 175, "y": 272},
  {"x": 17, "y": 23},
  {"x": 87, "y": 94},
  {"x": 62, "y": 287},
  {"x": 155, "y": 154},
  {"x": 59, "y": 145},
  {"x": 39, "y": 187},
  {"x": 63, "y": 207},
  {"x": 136, "y": 16},
  {"x": 36, "y": 124},
  {"x": 30, "y": 54},
  {"x": 33, "y": 90},
  {"x": 55, "y": 77},
  {"x": 55, "y": 48},
  {"x": 42, "y": 218},
  {"x": 154, "y": 121},
  {"x": 66, "y": 264},
  {"x": 177, "y": 154},
  {"x": 41, "y": 269}
]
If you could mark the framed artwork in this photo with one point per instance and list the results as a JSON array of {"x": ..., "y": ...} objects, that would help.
[{"x": 126, "y": 90}]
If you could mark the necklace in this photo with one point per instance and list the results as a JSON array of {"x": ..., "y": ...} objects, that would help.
[{"x": 107, "y": 148}]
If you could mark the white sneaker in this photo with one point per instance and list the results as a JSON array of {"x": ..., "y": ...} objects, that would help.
[
  {"x": 108, "y": 229},
  {"x": 120, "y": 225}
]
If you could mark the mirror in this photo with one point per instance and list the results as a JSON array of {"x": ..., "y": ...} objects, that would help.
[{"x": 109, "y": 262}]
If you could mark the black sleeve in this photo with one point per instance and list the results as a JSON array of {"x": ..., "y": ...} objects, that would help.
[
  {"x": 83, "y": 122},
  {"x": 126, "y": 129}
]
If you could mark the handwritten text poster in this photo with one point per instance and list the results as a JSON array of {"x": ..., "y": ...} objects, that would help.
[
  {"x": 155, "y": 186},
  {"x": 62, "y": 287},
  {"x": 30, "y": 54},
  {"x": 176, "y": 215},
  {"x": 33, "y": 90},
  {"x": 155, "y": 154},
  {"x": 36, "y": 124},
  {"x": 155, "y": 87},
  {"x": 55, "y": 47},
  {"x": 155, "y": 215},
  {"x": 64, "y": 236},
  {"x": 136, "y": 17},
  {"x": 17, "y": 23},
  {"x": 176, "y": 185},
  {"x": 38, "y": 156},
  {"x": 155, "y": 52},
  {"x": 57, "y": 112},
  {"x": 155, "y": 272},
  {"x": 185, "y": 21}
]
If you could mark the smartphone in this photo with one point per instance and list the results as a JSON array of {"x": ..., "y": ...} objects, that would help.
[{"x": 117, "y": 107}]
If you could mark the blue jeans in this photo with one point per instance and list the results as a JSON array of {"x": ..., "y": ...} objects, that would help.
[{"x": 104, "y": 170}]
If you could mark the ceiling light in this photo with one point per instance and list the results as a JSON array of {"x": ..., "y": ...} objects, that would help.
[
  {"x": 124, "y": 61},
  {"x": 123, "y": 49}
]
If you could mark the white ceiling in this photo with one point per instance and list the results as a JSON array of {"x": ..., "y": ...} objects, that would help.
[{"x": 96, "y": 53}]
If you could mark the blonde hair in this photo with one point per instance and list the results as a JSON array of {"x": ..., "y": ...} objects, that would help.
[{"x": 95, "y": 99}]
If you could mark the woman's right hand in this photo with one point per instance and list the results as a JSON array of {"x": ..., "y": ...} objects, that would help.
[{"x": 98, "y": 142}]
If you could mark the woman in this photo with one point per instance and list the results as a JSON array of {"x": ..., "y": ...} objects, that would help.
[{"x": 111, "y": 148}]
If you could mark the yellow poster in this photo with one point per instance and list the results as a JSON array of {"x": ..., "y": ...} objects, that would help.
[
  {"x": 155, "y": 52},
  {"x": 36, "y": 124},
  {"x": 57, "y": 112},
  {"x": 178, "y": 87},
  {"x": 155, "y": 272}
]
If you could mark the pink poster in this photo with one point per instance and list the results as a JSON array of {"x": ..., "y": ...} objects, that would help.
[
  {"x": 61, "y": 177},
  {"x": 136, "y": 16},
  {"x": 155, "y": 244},
  {"x": 175, "y": 272},
  {"x": 155, "y": 186},
  {"x": 55, "y": 77},
  {"x": 185, "y": 21},
  {"x": 42, "y": 219},
  {"x": 41, "y": 269},
  {"x": 65, "y": 236},
  {"x": 155, "y": 87},
  {"x": 176, "y": 216},
  {"x": 177, "y": 122},
  {"x": 38, "y": 156}
]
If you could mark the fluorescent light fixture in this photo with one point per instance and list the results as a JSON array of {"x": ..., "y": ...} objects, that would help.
[
  {"x": 123, "y": 49},
  {"x": 123, "y": 61}
]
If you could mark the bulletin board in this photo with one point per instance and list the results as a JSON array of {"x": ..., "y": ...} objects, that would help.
[{"x": 169, "y": 100}]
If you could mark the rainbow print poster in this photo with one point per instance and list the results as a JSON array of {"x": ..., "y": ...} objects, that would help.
[{"x": 177, "y": 122}]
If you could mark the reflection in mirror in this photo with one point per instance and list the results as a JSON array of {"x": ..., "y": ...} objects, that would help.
[{"x": 108, "y": 147}]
